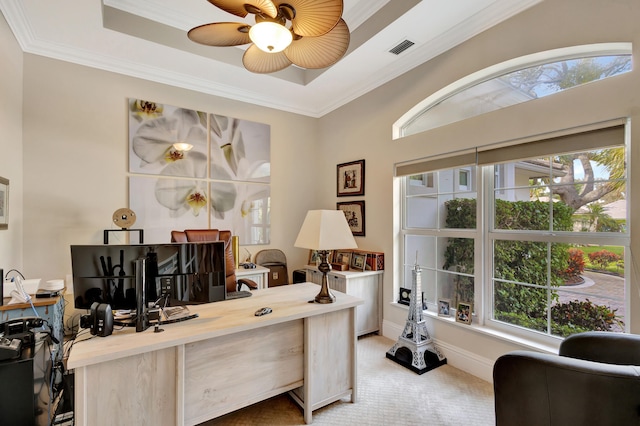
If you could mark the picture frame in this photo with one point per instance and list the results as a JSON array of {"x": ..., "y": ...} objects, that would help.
[
  {"x": 343, "y": 257},
  {"x": 358, "y": 261},
  {"x": 355, "y": 214},
  {"x": 4, "y": 203},
  {"x": 444, "y": 307},
  {"x": 314, "y": 257},
  {"x": 464, "y": 312},
  {"x": 350, "y": 178}
]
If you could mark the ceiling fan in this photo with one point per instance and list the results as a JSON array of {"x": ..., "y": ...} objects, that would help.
[{"x": 307, "y": 33}]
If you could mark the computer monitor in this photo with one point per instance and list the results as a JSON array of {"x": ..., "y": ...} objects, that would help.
[{"x": 180, "y": 273}]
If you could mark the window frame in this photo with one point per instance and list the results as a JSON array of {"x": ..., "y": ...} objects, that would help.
[
  {"x": 495, "y": 71},
  {"x": 485, "y": 235}
]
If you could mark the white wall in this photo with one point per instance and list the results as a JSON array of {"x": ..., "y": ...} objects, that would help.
[
  {"x": 362, "y": 129},
  {"x": 11, "y": 253}
]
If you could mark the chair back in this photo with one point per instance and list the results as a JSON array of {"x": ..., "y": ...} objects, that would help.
[
  {"x": 276, "y": 261},
  {"x": 212, "y": 235},
  {"x": 178, "y": 237}
]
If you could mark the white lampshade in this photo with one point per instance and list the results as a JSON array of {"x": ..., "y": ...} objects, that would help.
[
  {"x": 325, "y": 230},
  {"x": 270, "y": 37}
]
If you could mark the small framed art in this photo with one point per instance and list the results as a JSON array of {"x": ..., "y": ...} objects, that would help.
[
  {"x": 358, "y": 261},
  {"x": 343, "y": 257},
  {"x": 354, "y": 212},
  {"x": 314, "y": 257},
  {"x": 4, "y": 203},
  {"x": 350, "y": 178},
  {"x": 463, "y": 313},
  {"x": 444, "y": 307}
]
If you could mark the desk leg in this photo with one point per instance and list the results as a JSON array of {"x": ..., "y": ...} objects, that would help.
[
  {"x": 329, "y": 360},
  {"x": 180, "y": 385},
  {"x": 80, "y": 396},
  {"x": 354, "y": 358}
]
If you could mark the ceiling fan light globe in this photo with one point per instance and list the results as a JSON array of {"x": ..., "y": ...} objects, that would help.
[{"x": 270, "y": 37}]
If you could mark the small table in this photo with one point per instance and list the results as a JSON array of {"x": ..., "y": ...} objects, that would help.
[
  {"x": 259, "y": 274},
  {"x": 50, "y": 309}
]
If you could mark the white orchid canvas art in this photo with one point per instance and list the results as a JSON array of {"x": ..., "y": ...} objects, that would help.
[{"x": 221, "y": 182}]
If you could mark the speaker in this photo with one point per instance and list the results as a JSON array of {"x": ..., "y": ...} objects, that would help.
[
  {"x": 99, "y": 321},
  {"x": 103, "y": 320}
]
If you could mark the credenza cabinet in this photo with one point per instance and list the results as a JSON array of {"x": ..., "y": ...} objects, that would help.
[{"x": 366, "y": 285}]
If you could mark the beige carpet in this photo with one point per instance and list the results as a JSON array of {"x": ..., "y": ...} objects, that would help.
[{"x": 388, "y": 394}]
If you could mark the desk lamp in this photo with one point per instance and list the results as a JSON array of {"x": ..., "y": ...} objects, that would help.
[{"x": 325, "y": 230}]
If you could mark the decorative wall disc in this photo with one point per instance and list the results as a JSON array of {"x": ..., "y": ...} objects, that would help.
[{"x": 124, "y": 218}]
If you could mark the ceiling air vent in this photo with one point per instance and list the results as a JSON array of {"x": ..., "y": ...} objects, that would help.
[{"x": 401, "y": 47}]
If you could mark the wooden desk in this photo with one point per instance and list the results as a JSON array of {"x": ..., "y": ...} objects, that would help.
[{"x": 224, "y": 360}]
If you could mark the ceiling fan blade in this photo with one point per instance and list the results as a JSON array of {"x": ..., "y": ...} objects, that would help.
[
  {"x": 221, "y": 34},
  {"x": 255, "y": 60},
  {"x": 320, "y": 52},
  {"x": 238, "y": 8},
  {"x": 314, "y": 18}
]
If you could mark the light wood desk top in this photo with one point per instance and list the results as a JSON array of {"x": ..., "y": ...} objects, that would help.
[{"x": 288, "y": 302}]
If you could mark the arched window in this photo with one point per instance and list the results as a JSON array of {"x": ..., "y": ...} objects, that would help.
[{"x": 515, "y": 81}]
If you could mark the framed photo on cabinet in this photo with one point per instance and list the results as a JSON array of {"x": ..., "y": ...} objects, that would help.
[{"x": 350, "y": 179}]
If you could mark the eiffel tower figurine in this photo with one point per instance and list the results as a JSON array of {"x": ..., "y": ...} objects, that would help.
[{"x": 414, "y": 348}]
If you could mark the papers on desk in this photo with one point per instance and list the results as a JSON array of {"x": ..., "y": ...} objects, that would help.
[{"x": 176, "y": 313}]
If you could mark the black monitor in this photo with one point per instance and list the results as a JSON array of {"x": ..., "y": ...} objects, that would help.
[{"x": 180, "y": 273}]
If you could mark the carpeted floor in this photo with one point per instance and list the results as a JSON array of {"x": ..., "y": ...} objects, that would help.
[{"x": 388, "y": 394}]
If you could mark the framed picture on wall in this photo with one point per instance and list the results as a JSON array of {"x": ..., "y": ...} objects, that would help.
[
  {"x": 4, "y": 203},
  {"x": 354, "y": 212},
  {"x": 350, "y": 178}
]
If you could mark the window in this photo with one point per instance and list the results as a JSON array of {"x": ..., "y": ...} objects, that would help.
[
  {"x": 550, "y": 246},
  {"x": 443, "y": 245},
  {"x": 516, "y": 81}
]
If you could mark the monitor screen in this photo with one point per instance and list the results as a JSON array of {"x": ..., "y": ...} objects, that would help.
[{"x": 180, "y": 273}]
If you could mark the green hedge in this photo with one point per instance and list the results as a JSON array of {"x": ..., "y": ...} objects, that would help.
[{"x": 513, "y": 260}]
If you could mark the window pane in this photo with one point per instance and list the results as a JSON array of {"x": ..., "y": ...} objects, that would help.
[
  {"x": 420, "y": 249},
  {"x": 422, "y": 212},
  {"x": 592, "y": 295},
  {"x": 520, "y": 305},
  {"x": 516, "y": 87},
  {"x": 522, "y": 215},
  {"x": 437, "y": 200},
  {"x": 521, "y": 261},
  {"x": 455, "y": 287},
  {"x": 460, "y": 213}
]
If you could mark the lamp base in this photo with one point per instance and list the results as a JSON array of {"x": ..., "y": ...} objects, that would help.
[
  {"x": 325, "y": 298},
  {"x": 325, "y": 295}
]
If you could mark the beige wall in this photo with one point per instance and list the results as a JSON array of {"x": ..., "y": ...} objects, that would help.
[
  {"x": 75, "y": 145},
  {"x": 75, "y": 148},
  {"x": 363, "y": 127},
  {"x": 11, "y": 242}
]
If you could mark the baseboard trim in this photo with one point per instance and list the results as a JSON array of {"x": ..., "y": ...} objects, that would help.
[{"x": 456, "y": 357}]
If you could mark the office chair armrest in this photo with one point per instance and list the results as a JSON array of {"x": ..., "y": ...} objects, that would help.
[
  {"x": 603, "y": 346},
  {"x": 252, "y": 285}
]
